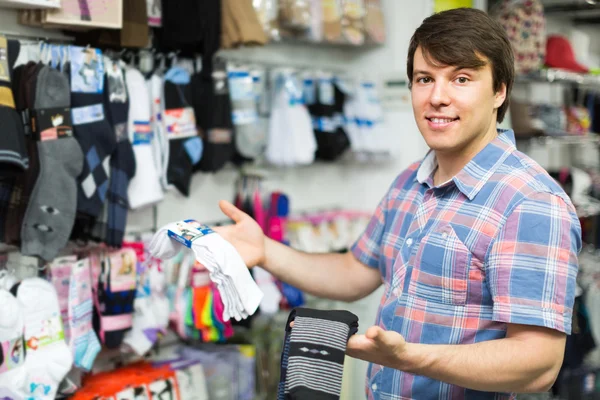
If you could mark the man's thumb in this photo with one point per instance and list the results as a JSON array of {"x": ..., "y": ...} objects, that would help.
[{"x": 231, "y": 211}]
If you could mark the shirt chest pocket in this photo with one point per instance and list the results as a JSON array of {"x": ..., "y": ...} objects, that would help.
[{"x": 440, "y": 270}]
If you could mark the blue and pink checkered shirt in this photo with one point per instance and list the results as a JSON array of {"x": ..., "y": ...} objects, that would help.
[{"x": 497, "y": 244}]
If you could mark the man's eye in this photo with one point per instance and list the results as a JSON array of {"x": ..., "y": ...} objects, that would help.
[
  {"x": 462, "y": 79},
  {"x": 424, "y": 80}
]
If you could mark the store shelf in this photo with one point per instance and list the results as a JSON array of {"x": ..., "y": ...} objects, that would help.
[
  {"x": 591, "y": 138},
  {"x": 22, "y": 4},
  {"x": 559, "y": 76}
]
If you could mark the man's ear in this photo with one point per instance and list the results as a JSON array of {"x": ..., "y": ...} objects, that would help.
[{"x": 500, "y": 96}]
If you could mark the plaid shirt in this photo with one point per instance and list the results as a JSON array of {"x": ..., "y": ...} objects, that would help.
[{"x": 497, "y": 244}]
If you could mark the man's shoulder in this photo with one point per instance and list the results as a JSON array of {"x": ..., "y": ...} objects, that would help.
[
  {"x": 524, "y": 179},
  {"x": 407, "y": 176}
]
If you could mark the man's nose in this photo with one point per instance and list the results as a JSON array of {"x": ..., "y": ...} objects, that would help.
[{"x": 439, "y": 95}]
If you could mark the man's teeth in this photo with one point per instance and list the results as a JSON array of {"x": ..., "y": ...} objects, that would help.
[{"x": 441, "y": 120}]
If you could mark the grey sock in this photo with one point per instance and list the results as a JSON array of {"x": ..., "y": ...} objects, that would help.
[
  {"x": 51, "y": 211},
  {"x": 250, "y": 135}
]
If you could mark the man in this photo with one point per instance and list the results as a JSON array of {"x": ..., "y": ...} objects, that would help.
[{"x": 476, "y": 244}]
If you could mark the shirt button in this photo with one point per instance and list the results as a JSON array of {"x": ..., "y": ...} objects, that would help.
[
  {"x": 409, "y": 242},
  {"x": 374, "y": 386}
]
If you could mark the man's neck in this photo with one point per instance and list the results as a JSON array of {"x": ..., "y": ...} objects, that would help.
[{"x": 450, "y": 164}]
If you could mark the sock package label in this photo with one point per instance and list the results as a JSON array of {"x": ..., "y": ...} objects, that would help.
[
  {"x": 87, "y": 70},
  {"x": 180, "y": 123},
  {"x": 46, "y": 332},
  {"x": 189, "y": 230},
  {"x": 87, "y": 114},
  {"x": 52, "y": 124},
  {"x": 13, "y": 353},
  {"x": 142, "y": 133}
]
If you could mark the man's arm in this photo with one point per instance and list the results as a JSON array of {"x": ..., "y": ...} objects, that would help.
[
  {"x": 527, "y": 360},
  {"x": 333, "y": 276}
]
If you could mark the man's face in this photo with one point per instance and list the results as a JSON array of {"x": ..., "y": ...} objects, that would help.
[{"x": 454, "y": 108}]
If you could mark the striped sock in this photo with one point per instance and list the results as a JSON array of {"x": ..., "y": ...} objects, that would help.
[
  {"x": 84, "y": 343},
  {"x": 313, "y": 357}
]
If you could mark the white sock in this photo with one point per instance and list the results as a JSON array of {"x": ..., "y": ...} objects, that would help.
[
  {"x": 270, "y": 302},
  {"x": 13, "y": 375},
  {"x": 158, "y": 294},
  {"x": 161, "y": 141},
  {"x": 145, "y": 188},
  {"x": 221, "y": 259},
  {"x": 48, "y": 357},
  {"x": 192, "y": 382},
  {"x": 143, "y": 320}
]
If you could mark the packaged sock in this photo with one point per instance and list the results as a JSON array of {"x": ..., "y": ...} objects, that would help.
[
  {"x": 185, "y": 146},
  {"x": 13, "y": 376},
  {"x": 93, "y": 132},
  {"x": 250, "y": 138},
  {"x": 327, "y": 114},
  {"x": 145, "y": 188},
  {"x": 14, "y": 159},
  {"x": 24, "y": 87},
  {"x": 50, "y": 215},
  {"x": 161, "y": 140},
  {"x": 122, "y": 160},
  {"x": 115, "y": 296},
  {"x": 83, "y": 342},
  {"x": 212, "y": 105},
  {"x": 48, "y": 358}
]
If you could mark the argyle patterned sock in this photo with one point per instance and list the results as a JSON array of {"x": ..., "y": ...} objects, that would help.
[{"x": 317, "y": 347}]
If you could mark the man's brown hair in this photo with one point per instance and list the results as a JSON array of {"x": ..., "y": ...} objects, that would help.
[{"x": 466, "y": 38}]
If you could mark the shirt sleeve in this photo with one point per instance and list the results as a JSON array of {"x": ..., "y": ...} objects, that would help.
[
  {"x": 367, "y": 248},
  {"x": 532, "y": 264}
]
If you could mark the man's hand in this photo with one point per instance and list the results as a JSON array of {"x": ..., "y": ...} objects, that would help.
[
  {"x": 378, "y": 346},
  {"x": 246, "y": 235}
]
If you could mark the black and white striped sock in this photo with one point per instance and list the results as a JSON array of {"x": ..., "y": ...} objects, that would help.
[{"x": 317, "y": 346}]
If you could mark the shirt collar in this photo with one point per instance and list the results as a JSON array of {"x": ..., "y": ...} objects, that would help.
[{"x": 476, "y": 173}]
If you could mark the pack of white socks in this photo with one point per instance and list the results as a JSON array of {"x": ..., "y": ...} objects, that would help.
[
  {"x": 145, "y": 187},
  {"x": 241, "y": 295},
  {"x": 13, "y": 375}
]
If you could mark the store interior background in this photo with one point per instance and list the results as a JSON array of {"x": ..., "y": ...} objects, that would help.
[{"x": 345, "y": 185}]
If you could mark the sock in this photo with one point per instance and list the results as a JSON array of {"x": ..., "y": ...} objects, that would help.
[
  {"x": 250, "y": 139},
  {"x": 60, "y": 277},
  {"x": 14, "y": 159},
  {"x": 185, "y": 148},
  {"x": 212, "y": 106},
  {"x": 84, "y": 343},
  {"x": 48, "y": 357},
  {"x": 225, "y": 328},
  {"x": 241, "y": 295},
  {"x": 122, "y": 160},
  {"x": 264, "y": 280},
  {"x": 94, "y": 134},
  {"x": 158, "y": 288},
  {"x": 50, "y": 215},
  {"x": 143, "y": 333},
  {"x": 145, "y": 188},
  {"x": 12, "y": 354},
  {"x": 24, "y": 87},
  {"x": 116, "y": 294},
  {"x": 161, "y": 142},
  {"x": 313, "y": 357},
  {"x": 327, "y": 114}
]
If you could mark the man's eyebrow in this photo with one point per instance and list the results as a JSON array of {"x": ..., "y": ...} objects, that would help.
[
  {"x": 421, "y": 71},
  {"x": 461, "y": 68}
]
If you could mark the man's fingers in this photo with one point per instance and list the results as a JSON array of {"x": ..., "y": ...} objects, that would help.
[{"x": 231, "y": 211}]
